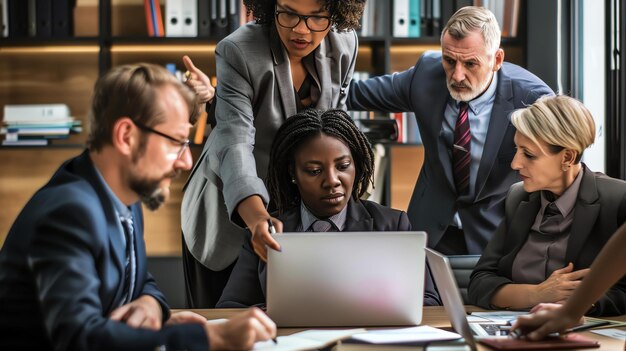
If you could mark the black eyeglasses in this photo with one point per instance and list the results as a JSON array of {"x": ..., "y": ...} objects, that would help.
[
  {"x": 290, "y": 19},
  {"x": 184, "y": 144}
]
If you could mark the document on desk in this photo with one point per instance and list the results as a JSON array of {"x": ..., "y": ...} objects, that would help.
[
  {"x": 612, "y": 333},
  {"x": 307, "y": 340},
  {"x": 421, "y": 333}
]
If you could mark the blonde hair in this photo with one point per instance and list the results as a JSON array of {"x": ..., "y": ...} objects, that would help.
[
  {"x": 470, "y": 19},
  {"x": 560, "y": 121}
]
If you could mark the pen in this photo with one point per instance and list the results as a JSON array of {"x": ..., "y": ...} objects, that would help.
[
  {"x": 275, "y": 340},
  {"x": 270, "y": 226},
  {"x": 588, "y": 326}
]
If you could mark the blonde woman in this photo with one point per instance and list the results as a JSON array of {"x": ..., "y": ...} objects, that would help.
[{"x": 557, "y": 219}]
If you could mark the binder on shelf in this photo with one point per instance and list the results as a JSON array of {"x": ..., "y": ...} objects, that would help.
[
  {"x": 219, "y": 18},
  {"x": 414, "y": 18},
  {"x": 447, "y": 10},
  {"x": 173, "y": 18},
  {"x": 62, "y": 18},
  {"x": 400, "y": 18},
  {"x": 234, "y": 20},
  {"x": 154, "y": 20},
  {"x": 436, "y": 19},
  {"x": 35, "y": 112},
  {"x": 204, "y": 18},
  {"x": 18, "y": 18},
  {"x": 189, "y": 16},
  {"x": 4, "y": 18},
  {"x": 44, "y": 18},
  {"x": 32, "y": 18}
]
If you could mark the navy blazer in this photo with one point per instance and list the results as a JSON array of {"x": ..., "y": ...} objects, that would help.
[
  {"x": 422, "y": 89},
  {"x": 599, "y": 210},
  {"x": 62, "y": 272},
  {"x": 247, "y": 283}
]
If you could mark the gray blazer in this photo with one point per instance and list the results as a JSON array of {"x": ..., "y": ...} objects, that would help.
[
  {"x": 255, "y": 94},
  {"x": 422, "y": 90},
  {"x": 600, "y": 209}
]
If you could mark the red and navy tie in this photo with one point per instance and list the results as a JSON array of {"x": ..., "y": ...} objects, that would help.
[{"x": 461, "y": 156}]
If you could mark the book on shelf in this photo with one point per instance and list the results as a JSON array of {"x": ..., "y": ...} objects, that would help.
[
  {"x": 35, "y": 124},
  {"x": 154, "y": 19},
  {"x": 34, "y": 142},
  {"x": 30, "y": 112}
]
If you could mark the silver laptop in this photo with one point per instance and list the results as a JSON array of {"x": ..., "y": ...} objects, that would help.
[
  {"x": 452, "y": 302},
  {"x": 346, "y": 279}
]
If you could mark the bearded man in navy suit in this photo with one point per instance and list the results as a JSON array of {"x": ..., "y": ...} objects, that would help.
[
  {"x": 73, "y": 267},
  {"x": 459, "y": 204}
]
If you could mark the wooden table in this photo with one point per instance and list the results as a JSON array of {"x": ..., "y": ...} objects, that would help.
[{"x": 433, "y": 316}]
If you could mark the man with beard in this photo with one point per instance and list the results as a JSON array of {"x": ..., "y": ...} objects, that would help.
[
  {"x": 461, "y": 98},
  {"x": 73, "y": 267}
]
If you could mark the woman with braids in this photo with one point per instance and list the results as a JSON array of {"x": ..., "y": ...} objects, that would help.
[
  {"x": 320, "y": 165},
  {"x": 297, "y": 54}
]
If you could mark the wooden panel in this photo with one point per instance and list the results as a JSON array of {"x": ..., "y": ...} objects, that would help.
[
  {"x": 202, "y": 55},
  {"x": 25, "y": 170},
  {"x": 406, "y": 163}
]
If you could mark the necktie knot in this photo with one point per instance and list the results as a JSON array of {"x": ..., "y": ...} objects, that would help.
[
  {"x": 551, "y": 210},
  {"x": 551, "y": 220},
  {"x": 322, "y": 226}
]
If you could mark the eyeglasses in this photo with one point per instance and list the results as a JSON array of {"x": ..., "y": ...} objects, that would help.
[
  {"x": 184, "y": 144},
  {"x": 314, "y": 23}
]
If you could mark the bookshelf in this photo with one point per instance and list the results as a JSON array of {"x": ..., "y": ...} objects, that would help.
[{"x": 108, "y": 33}]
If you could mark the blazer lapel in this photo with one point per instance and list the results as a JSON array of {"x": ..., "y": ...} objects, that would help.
[
  {"x": 519, "y": 228},
  {"x": 440, "y": 96},
  {"x": 586, "y": 212},
  {"x": 358, "y": 219},
  {"x": 140, "y": 248},
  {"x": 282, "y": 74},
  {"x": 498, "y": 125},
  {"x": 290, "y": 219},
  {"x": 321, "y": 74}
]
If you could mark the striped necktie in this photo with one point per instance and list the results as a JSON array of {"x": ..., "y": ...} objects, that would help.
[
  {"x": 130, "y": 263},
  {"x": 461, "y": 155}
]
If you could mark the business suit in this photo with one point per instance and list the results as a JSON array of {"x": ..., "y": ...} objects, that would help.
[
  {"x": 62, "y": 272},
  {"x": 422, "y": 89},
  {"x": 254, "y": 96},
  {"x": 247, "y": 283},
  {"x": 599, "y": 210}
]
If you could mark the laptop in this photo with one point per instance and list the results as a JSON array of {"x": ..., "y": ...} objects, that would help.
[
  {"x": 453, "y": 304},
  {"x": 346, "y": 279}
]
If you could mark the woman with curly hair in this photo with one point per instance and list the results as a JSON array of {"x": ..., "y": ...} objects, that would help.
[
  {"x": 320, "y": 165},
  {"x": 297, "y": 54}
]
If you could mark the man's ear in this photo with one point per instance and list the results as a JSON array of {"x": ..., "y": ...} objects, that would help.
[
  {"x": 124, "y": 135},
  {"x": 499, "y": 60}
]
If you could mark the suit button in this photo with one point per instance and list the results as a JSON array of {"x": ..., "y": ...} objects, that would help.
[{"x": 342, "y": 91}]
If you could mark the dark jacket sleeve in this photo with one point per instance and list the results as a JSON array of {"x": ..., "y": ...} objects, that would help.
[
  {"x": 390, "y": 92},
  {"x": 67, "y": 243},
  {"x": 431, "y": 297},
  {"x": 244, "y": 285}
]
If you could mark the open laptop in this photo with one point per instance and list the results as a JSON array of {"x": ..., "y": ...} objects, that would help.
[
  {"x": 453, "y": 304},
  {"x": 346, "y": 279}
]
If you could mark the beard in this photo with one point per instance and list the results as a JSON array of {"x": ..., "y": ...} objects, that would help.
[
  {"x": 150, "y": 191},
  {"x": 473, "y": 92}
]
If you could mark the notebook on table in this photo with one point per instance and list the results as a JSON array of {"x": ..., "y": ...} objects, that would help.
[
  {"x": 453, "y": 304},
  {"x": 346, "y": 279}
]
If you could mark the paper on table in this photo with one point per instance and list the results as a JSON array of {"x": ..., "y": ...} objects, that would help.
[
  {"x": 413, "y": 334},
  {"x": 476, "y": 319},
  {"x": 612, "y": 333},
  {"x": 307, "y": 340}
]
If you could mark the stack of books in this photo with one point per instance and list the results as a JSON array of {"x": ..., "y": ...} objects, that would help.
[{"x": 36, "y": 125}]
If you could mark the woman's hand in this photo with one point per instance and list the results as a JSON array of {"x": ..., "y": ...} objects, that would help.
[
  {"x": 262, "y": 238},
  {"x": 199, "y": 82},
  {"x": 560, "y": 285},
  {"x": 241, "y": 331},
  {"x": 545, "y": 319}
]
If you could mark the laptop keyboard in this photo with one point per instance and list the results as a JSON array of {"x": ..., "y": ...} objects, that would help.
[{"x": 494, "y": 330}]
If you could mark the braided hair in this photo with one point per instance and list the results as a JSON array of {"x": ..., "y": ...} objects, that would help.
[{"x": 298, "y": 130}]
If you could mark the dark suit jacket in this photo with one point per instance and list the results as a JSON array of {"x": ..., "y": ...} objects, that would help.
[
  {"x": 62, "y": 272},
  {"x": 422, "y": 90},
  {"x": 246, "y": 286},
  {"x": 599, "y": 210}
]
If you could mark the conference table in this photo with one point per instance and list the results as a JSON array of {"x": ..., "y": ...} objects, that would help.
[{"x": 433, "y": 316}]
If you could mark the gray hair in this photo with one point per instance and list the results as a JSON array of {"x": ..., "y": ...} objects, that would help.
[
  {"x": 471, "y": 19},
  {"x": 560, "y": 121}
]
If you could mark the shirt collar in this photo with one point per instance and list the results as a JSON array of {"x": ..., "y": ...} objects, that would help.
[
  {"x": 486, "y": 99},
  {"x": 121, "y": 209},
  {"x": 307, "y": 217},
  {"x": 565, "y": 203}
]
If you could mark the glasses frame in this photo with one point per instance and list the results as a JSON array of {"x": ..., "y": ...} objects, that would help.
[
  {"x": 184, "y": 144},
  {"x": 300, "y": 19}
]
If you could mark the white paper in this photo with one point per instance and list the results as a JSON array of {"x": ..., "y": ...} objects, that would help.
[
  {"x": 476, "y": 319},
  {"x": 414, "y": 334},
  {"x": 612, "y": 333},
  {"x": 307, "y": 340}
]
